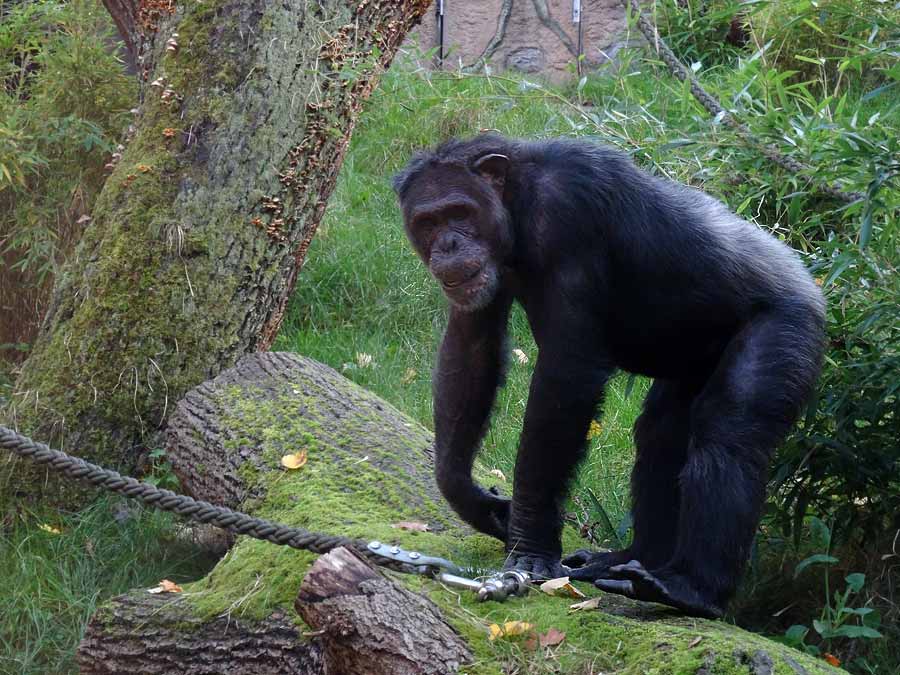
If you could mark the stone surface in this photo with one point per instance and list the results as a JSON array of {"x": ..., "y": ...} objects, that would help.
[
  {"x": 527, "y": 60},
  {"x": 508, "y": 34}
]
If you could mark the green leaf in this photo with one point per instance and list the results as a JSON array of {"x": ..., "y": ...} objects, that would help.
[
  {"x": 856, "y": 581},
  {"x": 854, "y": 632},
  {"x": 823, "y": 628},
  {"x": 865, "y": 230},
  {"x": 817, "y": 559},
  {"x": 796, "y": 634},
  {"x": 820, "y": 532}
]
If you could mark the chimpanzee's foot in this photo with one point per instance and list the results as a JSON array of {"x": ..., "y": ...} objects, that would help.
[
  {"x": 589, "y": 565},
  {"x": 663, "y": 586},
  {"x": 539, "y": 566}
]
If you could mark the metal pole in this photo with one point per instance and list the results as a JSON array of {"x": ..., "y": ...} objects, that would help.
[
  {"x": 440, "y": 27},
  {"x": 576, "y": 18}
]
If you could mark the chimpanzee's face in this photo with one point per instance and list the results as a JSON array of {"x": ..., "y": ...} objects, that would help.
[{"x": 457, "y": 224}]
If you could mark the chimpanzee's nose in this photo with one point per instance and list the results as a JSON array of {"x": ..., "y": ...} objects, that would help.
[{"x": 448, "y": 243}]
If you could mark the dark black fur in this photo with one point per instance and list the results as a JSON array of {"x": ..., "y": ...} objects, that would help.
[{"x": 616, "y": 269}]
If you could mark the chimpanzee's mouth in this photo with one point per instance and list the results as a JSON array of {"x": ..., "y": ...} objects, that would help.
[
  {"x": 469, "y": 291},
  {"x": 458, "y": 283}
]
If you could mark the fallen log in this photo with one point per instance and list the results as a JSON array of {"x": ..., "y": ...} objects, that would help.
[{"x": 367, "y": 467}]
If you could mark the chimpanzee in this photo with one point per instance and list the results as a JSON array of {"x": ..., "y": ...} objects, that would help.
[{"x": 615, "y": 269}]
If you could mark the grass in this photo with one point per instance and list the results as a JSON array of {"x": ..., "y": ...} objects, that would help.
[{"x": 57, "y": 569}]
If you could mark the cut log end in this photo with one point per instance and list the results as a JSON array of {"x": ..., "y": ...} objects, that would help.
[{"x": 368, "y": 623}]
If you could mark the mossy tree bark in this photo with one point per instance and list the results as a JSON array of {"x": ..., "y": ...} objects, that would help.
[
  {"x": 199, "y": 233},
  {"x": 368, "y": 467}
]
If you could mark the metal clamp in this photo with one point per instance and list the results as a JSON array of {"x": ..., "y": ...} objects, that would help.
[
  {"x": 425, "y": 564},
  {"x": 497, "y": 587}
]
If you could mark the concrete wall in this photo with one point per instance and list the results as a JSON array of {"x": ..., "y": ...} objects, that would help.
[{"x": 532, "y": 36}]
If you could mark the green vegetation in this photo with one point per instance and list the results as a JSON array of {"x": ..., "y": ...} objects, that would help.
[
  {"x": 818, "y": 79},
  {"x": 64, "y": 101},
  {"x": 57, "y": 569}
]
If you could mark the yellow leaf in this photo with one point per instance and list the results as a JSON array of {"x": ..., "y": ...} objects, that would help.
[
  {"x": 408, "y": 376},
  {"x": 594, "y": 430},
  {"x": 50, "y": 529},
  {"x": 513, "y": 628},
  {"x": 562, "y": 587},
  {"x": 295, "y": 461},
  {"x": 510, "y": 629}
]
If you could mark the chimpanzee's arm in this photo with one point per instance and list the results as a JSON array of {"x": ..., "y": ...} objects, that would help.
[
  {"x": 566, "y": 389},
  {"x": 470, "y": 368}
]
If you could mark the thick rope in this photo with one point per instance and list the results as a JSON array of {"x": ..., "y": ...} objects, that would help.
[
  {"x": 166, "y": 500},
  {"x": 680, "y": 71}
]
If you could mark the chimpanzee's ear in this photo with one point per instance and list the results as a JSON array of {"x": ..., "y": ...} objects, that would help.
[{"x": 494, "y": 168}]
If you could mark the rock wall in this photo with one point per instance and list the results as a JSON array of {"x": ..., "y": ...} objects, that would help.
[{"x": 531, "y": 36}]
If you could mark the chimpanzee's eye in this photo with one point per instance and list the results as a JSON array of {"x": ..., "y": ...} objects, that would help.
[
  {"x": 424, "y": 224},
  {"x": 457, "y": 213}
]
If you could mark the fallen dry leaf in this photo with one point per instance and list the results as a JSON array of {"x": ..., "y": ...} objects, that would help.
[
  {"x": 50, "y": 528},
  {"x": 497, "y": 473},
  {"x": 409, "y": 376},
  {"x": 561, "y": 587},
  {"x": 832, "y": 659},
  {"x": 295, "y": 461},
  {"x": 695, "y": 641},
  {"x": 169, "y": 132},
  {"x": 521, "y": 356},
  {"x": 363, "y": 360},
  {"x": 513, "y": 628},
  {"x": 165, "y": 586},
  {"x": 594, "y": 430},
  {"x": 593, "y": 603},
  {"x": 510, "y": 629},
  {"x": 551, "y": 638},
  {"x": 412, "y": 526}
]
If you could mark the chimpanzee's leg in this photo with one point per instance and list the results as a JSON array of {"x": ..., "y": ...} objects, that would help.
[
  {"x": 661, "y": 440},
  {"x": 744, "y": 410}
]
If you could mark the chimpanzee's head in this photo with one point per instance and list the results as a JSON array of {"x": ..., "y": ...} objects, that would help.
[{"x": 455, "y": 218}]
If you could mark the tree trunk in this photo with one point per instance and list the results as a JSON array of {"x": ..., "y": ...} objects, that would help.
[
  {"x": 200, "y": 230},
  {"x": 144, "y": 634},
  {"x": 368, "y": 467}
]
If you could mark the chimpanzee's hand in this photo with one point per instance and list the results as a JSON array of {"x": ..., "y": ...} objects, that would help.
[
  {"x": 488, "y": 513},
  {"x": 590, "y": 565}
]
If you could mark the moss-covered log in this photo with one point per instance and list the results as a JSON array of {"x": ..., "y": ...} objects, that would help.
[
  {"x": 198, "y": 235},
  {"x": 369, "y": 467}
]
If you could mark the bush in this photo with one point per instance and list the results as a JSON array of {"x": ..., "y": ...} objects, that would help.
[{"x": 64, "y": 98}]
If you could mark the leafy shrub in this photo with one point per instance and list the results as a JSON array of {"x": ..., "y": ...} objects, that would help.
[
  {"x": 702, "y": 31},
  {"x": 64, "y": 98}
]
